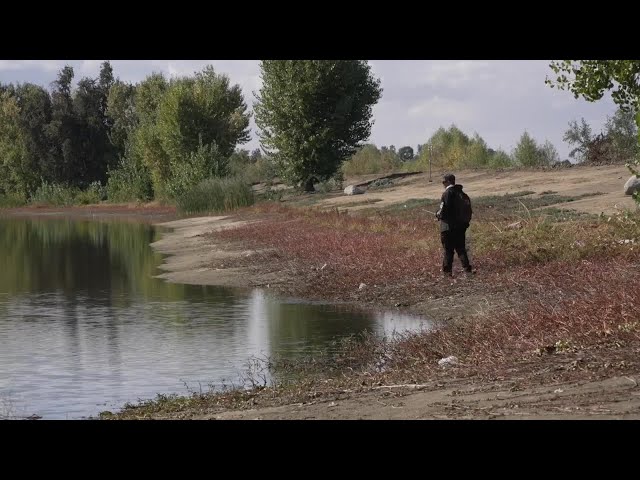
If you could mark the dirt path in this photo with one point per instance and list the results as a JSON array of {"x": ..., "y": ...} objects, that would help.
[
  {"x": 191, "y": 253},
  {"x": 194, "y": 258},
  {"x": 611, "y": 398},
  {"x": 608, "y": 180}
]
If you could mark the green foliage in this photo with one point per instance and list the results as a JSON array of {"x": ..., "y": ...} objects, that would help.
[
  {"x": 11, "y": 200},
  {"x": 529, "y": 154},
  {"x": 122, "y": 114},
  {"x": 202, "y": 110},
  {"x": 453, "y": 149},
  {"x": 590, "y": 79},
  {"x": 216, "y": 195},
  {"x": 34, "y": 103},
  {"x": 369, "y": 159},
  {"x": 313, "y": 114},
  {"x": 579, "y": 137},
  {"x": 205, "y": 162},
  {"x": 254, "y": 167},
  {"x": 548, "y": 154},
  {"x": 188, "y": 133},
  {"x": 54, "y": 194},
  {"x": 156, "y": 138},
  {"x": 623, "y": 132},
  {"x": 500, "y": 159},
  {"x": 617, "y": 144},
  {"x": 17, "y": 169},
  {"x": 130, "y": 181},
  {"x": 95, "y": 193},
  {"x": 406, "y": 154},
  {"x": 332, "y": 185}
]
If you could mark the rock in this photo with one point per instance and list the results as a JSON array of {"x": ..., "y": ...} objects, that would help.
[
  {"x": 362, "y": 286},
  {"x": 448, "y": 361},
  {"x": 353, "y": 190},
  {"x": 515, "y": 226},
  {"x": 632, "y": 185},
  {"x": 381, "y": 183},
  {"x": 562, "y": 164}
]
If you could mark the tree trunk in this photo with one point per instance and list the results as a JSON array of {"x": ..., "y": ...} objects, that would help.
[{"x": 308, "y": 185}]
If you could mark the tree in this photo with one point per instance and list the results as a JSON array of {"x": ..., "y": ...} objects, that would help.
[
  {"x": 17, "y": 173},
  {"x": 592, "y": 78},
  {"x": 527, "y": 152},
  {"x": 477, "y": 152},
  {"x": 205, "y": 109},
  {"x": 188, "y": 128},
  {"x": 623, "y": 132},
  {"x": 548, "y": 154},
  {"x": 95, "y": 153},
  {"x": 62, "y": 130},
  {"x": 500, "y": 159},
  {"x": 449, "y": 147},
  {"x": 122, "y": 115},
  {"x": 34, "y": 104},
  {"x": 144, "y": 150},
  {"x": 105, "y": 82},
  {"x": 314, "y": 114},
  {"x": 406, "y": 153},
  {"x": 578, "y": 136}
]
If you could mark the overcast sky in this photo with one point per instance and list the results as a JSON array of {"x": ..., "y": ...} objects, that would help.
[{"x": 499, "y": 99}]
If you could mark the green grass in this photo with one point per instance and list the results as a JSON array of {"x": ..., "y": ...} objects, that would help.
[
  {"x": 216, "y": 195},
  {"x": 498, "y": 207},
  {"x": 12, "y": 201},
  {"x": 54, "y": 194}
]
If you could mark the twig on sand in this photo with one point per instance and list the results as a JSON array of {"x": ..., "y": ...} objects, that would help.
[{"x": 409, "y": 385}]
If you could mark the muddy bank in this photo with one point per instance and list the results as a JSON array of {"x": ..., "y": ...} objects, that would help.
[
  {"x": 195, "y": 256},
  {"x": 140, "y": 212}
]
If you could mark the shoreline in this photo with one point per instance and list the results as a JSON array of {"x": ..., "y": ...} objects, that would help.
[{"x": 594, "y": 379}]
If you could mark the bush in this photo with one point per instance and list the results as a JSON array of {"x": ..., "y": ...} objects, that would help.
[
  {"x": 54, "y": 194},
  {"x": 130, "y": 181},
  {"x": 11, "y": 200},
  {"x": 94, "y": 194},
  {"x": 216, "y": 195},
  {"x": 204, "y": 163},
  {"x": 331, "y": 185},
  {"x": 369, "y": 159}
]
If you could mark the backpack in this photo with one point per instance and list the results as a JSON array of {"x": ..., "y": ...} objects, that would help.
[{"x": 464, "y": 211}]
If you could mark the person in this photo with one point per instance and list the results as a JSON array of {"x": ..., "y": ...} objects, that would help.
[{"x": 454, "y": 215}]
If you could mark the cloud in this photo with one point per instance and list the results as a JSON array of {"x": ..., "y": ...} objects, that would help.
[
  {"x": 38, "y": 65},
  {"x": 443, "y": 109}
]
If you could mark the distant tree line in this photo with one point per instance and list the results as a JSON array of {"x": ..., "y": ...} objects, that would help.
[{"x": 159, "y": 138}]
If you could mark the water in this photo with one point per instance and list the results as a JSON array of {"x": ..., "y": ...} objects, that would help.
[{"x": 84, "y": 326}]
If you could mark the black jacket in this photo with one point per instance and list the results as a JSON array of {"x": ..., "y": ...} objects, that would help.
[{"x": 447, "y": 213}]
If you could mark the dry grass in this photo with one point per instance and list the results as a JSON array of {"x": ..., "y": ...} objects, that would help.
[{"x": 577, "y": 283}]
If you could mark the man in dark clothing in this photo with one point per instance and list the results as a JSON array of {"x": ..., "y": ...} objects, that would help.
[{"x": 453, "y": 229}]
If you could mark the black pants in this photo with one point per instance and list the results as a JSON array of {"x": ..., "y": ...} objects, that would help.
[{"x": 454, "y": 240}]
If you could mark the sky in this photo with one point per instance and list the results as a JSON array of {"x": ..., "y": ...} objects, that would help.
[{"x": 499, "y": 99}]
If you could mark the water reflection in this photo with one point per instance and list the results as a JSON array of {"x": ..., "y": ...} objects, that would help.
[{"x": 85, "y": 327}]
